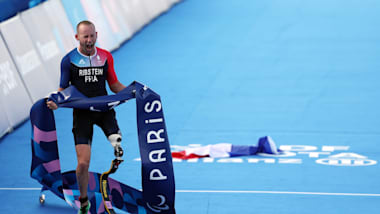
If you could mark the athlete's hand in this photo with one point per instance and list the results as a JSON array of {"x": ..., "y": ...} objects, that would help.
[{"x": 52, "y": 105}]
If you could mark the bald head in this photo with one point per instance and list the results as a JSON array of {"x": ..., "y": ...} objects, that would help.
[
  {"x": 84, "y": 23},
  {"x": 86, "y": 36}
]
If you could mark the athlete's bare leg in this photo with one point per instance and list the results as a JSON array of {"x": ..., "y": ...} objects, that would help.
[{"x": 83, "y": 156}]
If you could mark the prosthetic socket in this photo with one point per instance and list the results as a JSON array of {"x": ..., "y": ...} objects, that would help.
[{"x": 115, "y": 140}]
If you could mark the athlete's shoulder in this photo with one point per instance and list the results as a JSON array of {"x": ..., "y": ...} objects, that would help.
[
  {"x": 72, "y": 52},
  {"x": 104, "y": 53},
  {"x": 101, "y": 50},
  {"x": 66, "y": 58},
  {"x": 69, "y": 55}
]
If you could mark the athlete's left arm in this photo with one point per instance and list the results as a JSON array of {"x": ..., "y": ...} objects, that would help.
[
  {"x": 113, "y": 82},
  {"x": 117, "y": 86}
]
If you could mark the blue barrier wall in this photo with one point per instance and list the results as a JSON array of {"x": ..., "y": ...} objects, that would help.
[{"x": 10, "y": 8}]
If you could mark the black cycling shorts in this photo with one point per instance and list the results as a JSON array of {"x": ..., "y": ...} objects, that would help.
[{"x": 84, "y": 121}]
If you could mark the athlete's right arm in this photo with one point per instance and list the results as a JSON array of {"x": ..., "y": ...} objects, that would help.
[
  {"x": 52, "y": 105},
  {"x": 65, "y": 79}
]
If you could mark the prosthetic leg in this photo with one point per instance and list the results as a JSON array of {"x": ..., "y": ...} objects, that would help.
[{"x": 115, "y": 140}]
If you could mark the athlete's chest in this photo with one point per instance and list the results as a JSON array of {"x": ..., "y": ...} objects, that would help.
[
  {"x": 89, "y": 69},
  {"x": 99, "y": 59}
]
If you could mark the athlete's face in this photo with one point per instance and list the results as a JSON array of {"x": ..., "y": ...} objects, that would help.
[{"x": 86, "y": 35}]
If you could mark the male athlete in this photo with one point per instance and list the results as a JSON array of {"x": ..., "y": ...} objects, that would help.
[{"x": 88, "y": 67}]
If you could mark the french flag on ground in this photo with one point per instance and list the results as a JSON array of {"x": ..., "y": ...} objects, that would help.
[{"x": 224, "y": 150}]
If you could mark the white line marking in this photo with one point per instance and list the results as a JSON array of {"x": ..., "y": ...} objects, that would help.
[
  {"x": 240, "y": 192},
  {"x": 279, "y": 192},
  {"x": 21, "y": 188}
]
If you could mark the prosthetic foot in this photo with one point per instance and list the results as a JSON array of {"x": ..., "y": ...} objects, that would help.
[
  {"x": 115, "y": 140},
  {"x": 104, "y": 187}
]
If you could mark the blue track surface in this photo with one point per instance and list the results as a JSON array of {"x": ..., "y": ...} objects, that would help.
[{"x": 304, "y": 72}]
